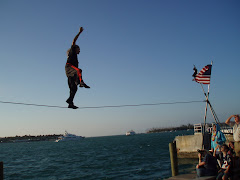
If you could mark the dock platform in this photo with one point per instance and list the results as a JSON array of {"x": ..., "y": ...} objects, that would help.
[{"x": 191, "y": 176}]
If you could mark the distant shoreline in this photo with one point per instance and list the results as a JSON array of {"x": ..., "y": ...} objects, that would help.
[
  {"x": 29, "y": 138},
  {"x": 53, "y": 137},
  {"x": 182, "y": 127}
]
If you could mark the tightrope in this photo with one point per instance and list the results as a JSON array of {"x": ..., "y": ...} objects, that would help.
[{"x": 109, "y": 106}]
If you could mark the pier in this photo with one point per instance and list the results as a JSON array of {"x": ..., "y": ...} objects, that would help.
[{"x": 186, "y": 147}]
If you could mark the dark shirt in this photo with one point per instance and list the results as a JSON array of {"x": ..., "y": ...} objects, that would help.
[
  {"x": 211, "y": 162},
  {"x": 225, "y": 160},
  {"x": 72, "y": 57}
]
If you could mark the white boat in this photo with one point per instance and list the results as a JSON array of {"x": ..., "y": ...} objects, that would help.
[
  {"x": 130, "y": 133},
  {"x": 69, "y": 137}
]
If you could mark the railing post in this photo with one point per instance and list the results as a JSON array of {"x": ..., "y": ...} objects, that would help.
[
  {"x": 1, "y": 170},
  {"x": 173, "y": 158}
]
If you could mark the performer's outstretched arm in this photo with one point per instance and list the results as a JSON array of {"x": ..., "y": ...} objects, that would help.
[{"x": 76, "y": 37}]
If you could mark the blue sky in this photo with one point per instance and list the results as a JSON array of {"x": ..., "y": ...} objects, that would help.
[{"x": 132, "y": 52}]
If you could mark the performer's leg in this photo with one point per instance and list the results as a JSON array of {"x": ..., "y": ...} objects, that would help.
[
  {"x": 82, "y": 83},
  {"x": 79, "y": 73},
  {"x": 73, "y": 90}
]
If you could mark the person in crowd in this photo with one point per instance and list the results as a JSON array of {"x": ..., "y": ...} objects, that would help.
[
  {"x": 236, "y": 132},
  {"x": 225, "y": 163},
  {"x": 207, "y": 165},
  {"x": 218, "y": 138},
  {"x": 231, "y": 149}
]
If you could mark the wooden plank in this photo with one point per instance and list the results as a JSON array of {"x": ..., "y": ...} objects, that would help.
[
  {"x": 183, "y": 176},
  {"x": 191, "y": 176}
]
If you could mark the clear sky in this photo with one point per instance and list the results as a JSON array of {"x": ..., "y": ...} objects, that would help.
[{"x": 132, "y": 52}]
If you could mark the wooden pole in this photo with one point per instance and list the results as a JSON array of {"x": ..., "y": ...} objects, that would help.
[
  {"x": 1, "y": 170},
  {"x": 207, "y": 97},
  {"x": 173, "y": 158},
  {"x": 206, "y": 108},
  {"x": 205, "y": 117}
]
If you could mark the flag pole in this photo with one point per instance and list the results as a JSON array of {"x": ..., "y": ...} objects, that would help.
[
  {"x": 207, "y": 101},
  {"x": 206, "y": 108},
  {"x": 207, "y": 97},
  {"x": 211, "y": 108}
]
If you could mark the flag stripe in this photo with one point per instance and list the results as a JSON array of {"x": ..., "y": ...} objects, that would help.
[{"x": 203, "y": 79}]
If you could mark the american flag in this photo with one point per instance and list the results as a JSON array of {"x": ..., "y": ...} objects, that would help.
[{"x": 204, "y": 75}]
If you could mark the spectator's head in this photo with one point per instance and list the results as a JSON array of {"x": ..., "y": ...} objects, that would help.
[
  {"x": 237, "y": 118},
  {"x": 224, "y": 148},
  {"x": 214, "y": 127},
  {"x": 204, "y": 152}
]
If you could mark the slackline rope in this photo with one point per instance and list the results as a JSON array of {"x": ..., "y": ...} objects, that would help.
[{"x": 98, "y": 107}]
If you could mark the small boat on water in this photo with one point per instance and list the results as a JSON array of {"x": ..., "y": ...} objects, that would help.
[
  {"x": 69, "y": 137},
  {"x": 130, "y": 133}
]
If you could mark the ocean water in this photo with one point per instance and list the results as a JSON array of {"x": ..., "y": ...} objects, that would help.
[{"x": 143, "y": 156}]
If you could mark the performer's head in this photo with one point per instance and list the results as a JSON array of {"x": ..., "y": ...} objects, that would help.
[{"x": 77, "y": 49}]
